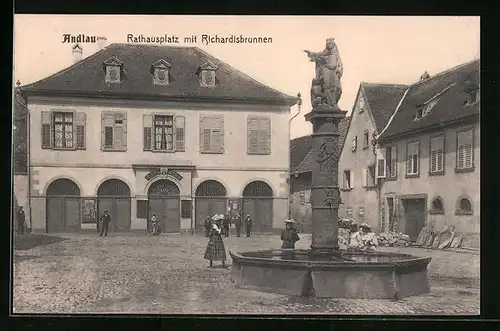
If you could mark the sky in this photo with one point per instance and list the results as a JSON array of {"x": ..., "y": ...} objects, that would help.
[{"x": 374, "y": 49}]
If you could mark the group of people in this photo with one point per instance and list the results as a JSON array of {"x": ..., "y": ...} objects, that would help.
[
  {"x": 362, "y": 238},
  {"x": 227, "y": 221}
]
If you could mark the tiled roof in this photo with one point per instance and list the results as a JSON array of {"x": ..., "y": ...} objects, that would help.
[
  {"x": 88, "y": 76},
  {"x": 301, "y": 152},
  {"x": 299, "y": 147},
  {"x": 382, "y": 100},
  {"x": 450, "y": 107}
]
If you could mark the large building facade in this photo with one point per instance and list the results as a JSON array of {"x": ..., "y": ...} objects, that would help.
[
  {"x": 145, "y": 129},
  {"x": 430, "y": 149}
]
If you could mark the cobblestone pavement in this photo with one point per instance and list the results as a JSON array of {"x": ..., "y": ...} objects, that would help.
[{"x": 168, "y": 275}]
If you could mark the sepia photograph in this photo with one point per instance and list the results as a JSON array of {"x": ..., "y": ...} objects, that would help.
[{"x": 235, "y": 165}]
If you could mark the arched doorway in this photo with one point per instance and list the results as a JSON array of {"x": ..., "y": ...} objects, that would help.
[
  {"x": 164, "y": 201},
  {"x": 63, "y": 206},
  {"x": 114, "y": 195},
  {"x": 210, "y": 199},
  {"x": 258, "y": 203}
]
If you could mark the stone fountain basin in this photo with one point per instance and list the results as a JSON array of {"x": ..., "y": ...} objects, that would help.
[{"x": 359, "y": 275}]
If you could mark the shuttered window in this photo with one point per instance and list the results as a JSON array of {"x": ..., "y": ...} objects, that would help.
[
  {"x": 354, "y": 145},
  {"x": 412, "y": 158},
  {"x": 212, "y": 134},
  {"x": 80, "y": 124},
  {"x": 436, "y": 154},
  {"x": 347, "y": 180},
  {"x": 164, "y": 133},
  {"x": 114, "y": 131},
  {"x": 465, "y": 149},
  {"x": 259, "y": 135},
  {"x": 392, "y": 162},
  {"x": 63, "y": 130}
]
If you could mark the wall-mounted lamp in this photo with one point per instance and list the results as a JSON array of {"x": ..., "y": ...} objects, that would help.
[{"x": 296, "y": 174}]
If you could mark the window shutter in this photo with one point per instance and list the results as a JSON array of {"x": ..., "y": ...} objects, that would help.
[
  {"x": 205, "y": 133},
  {"x": 217, "y": 134},
  {"x": 107, "y": 122},
  {"x": 180, "y": 128},
  {"x": 409, "y": 159},
  {"x": 380, "y": 165},
  {"x": 468, "y": 148},
  {"x": 46, "y": 130},
  {"x": 394, "y": 161},
  {"x": 119, "y": 134},
  {"x": 345, "y": 179},
  {"x": 264, "y": 141},
  {"x": 364, "y": 179},
  {"x": 147, "y": 124},
  {"x": 80, "y": 130},
  {"x": 352, "y": 179},
  {"x": 253, "y": 135}
]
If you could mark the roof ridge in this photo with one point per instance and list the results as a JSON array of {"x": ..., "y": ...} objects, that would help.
[
  {"x": 243, "y": 74},
  {"x": 74, "y": 65},
  {"x": 447, "y": 71},
  {"x": 386, "y": 84}
]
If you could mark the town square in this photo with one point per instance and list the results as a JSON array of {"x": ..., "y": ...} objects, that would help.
[{"x": 200, "y": 179}]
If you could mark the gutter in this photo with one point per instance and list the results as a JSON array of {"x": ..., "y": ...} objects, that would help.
[
  {"x": 427, "y": 128},
  {"x": 157, "y": 97}
]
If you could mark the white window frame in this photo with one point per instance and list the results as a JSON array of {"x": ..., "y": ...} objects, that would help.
[{"x": 410, "y": 170}]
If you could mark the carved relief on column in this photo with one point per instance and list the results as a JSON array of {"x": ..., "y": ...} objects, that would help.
[
  {"x": 328, "y": 154},
  {"x": 332, "y": 198}
]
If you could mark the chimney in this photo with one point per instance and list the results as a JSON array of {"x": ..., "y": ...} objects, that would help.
[
  {"x": 77, "y": 52},
  {"x": 425, "y": 76},
  {"x": 101, "y": 42}
]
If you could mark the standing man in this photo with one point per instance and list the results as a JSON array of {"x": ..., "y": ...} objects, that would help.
[
  {"x": 21, "y": 220},
  {"x": 237, "y": 224},
  {"x": 226, "y": 225},
  {"x": 105, "y": 220},
  {"x": 248, "y": 225}
]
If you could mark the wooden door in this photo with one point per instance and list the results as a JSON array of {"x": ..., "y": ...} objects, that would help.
[
  {"x": 414, "y": 217},
  {"x": 123, "y": 219},
  {"x": 171, "y": 218},
  {"x": 55, "y": 214},
  {"x": 201, "y": 212},
  {"x": 264, "y": 209},
  {"x": 156, "y": 206},
  {"x": 72, "y": 215}
]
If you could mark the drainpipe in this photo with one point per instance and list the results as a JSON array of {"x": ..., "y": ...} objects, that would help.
[
  {"x": 192, "y": 206},
  {"x": 299, "y": 104}
]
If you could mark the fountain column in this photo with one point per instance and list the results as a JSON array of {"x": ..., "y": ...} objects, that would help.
[{"x": 325, "y": 194}]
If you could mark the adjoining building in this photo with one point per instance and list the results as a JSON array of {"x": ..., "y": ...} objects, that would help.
[
  {"x": 142, "y": 129},
  {"x": 301, "y": 176},
  {"x": 428, "y": 156},
  {"x": 359, "y": 187},
  {"x": 20, "y": 156}
]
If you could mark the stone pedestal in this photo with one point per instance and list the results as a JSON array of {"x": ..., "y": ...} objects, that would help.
[{"x": 325, "y": 194}]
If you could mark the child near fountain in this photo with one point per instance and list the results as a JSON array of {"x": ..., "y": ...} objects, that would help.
[
  {"x": 215, "y": 249},
  {"x": 289, "y": 235}
]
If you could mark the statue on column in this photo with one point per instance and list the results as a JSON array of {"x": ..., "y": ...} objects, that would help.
[{"x": 326, "y": 87}]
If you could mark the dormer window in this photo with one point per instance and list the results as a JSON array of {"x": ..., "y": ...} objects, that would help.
[
  {"x": 207, "y": 75},
  {"x": 161, "y": 72},
  {"x": 113, "y": 68},
  {"x": 473, "y": 98}
]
